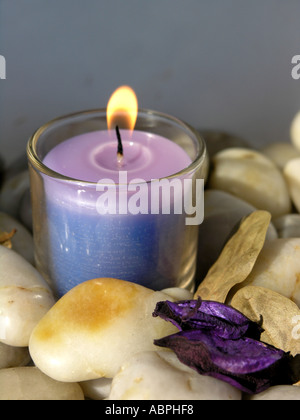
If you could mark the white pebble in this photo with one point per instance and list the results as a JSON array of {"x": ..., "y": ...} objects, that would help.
[
  {"x": 12, "y": 192},
  {"x": 24, "y": 298},
  {"x": 97, "y": 389},
  {"x": 253, "y": 177},
  {"x": 278, "y": 393},
  {"x": 13, "y": 356},
  {"x": 25, "y": 210},
  {"x": 22, "y": 242},
  {"x": 97, "y": 325},
  {"x": 281, "y": 153},
  {"x": 178, "y": 293},
  {"x": 288, "y": 226},
  {"x": 292, "y": 175},
  {"x": 161, "y": 376},
  {"x": 28, "y": 383},
  {"x": 295, "y": 131}
]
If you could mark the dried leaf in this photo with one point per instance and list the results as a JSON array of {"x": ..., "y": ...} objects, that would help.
[
  {"x": 237, "y": 258},
  {"x": 280, "y": 316},
  {"x": 5, "y": 238}
]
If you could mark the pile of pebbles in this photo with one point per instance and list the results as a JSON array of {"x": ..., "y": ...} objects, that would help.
[{"x": 241, "y": 180}]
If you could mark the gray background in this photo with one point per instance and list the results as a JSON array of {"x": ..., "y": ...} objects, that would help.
[{"x": 217, "y": 64}]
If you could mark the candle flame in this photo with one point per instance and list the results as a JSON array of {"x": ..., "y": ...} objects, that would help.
[{"x": 122, "y": 109}]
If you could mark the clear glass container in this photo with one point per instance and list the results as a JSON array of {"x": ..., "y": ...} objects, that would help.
[{"x": 74, "y": 243}]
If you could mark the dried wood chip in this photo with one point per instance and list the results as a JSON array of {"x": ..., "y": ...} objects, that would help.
[
  {"x": 237, "y": 258},
  {"x": 280, "y": 316}
]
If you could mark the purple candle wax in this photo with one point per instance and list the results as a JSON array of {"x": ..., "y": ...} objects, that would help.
[
  {"x": 85, "y": 244},
  {"x": 93, "y": 156}
]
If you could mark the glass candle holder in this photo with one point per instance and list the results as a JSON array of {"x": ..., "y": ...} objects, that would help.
[{"x": 74, "y": 242}]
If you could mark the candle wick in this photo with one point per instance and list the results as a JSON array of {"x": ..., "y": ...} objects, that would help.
[{"x": 120, "y": 153}]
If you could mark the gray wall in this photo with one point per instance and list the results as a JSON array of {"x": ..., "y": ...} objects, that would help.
[{"x": 218, "y": 64}]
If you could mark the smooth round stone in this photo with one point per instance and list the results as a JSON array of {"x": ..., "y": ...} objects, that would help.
[
  {"x": 28, "y": 383},
  {"x": 97, "y": 389},
  {"x": 288, "y": 226},
  {"x": 295, "y": 131},
  {"x": 161, "y": 376},
  {"x": 281, "y": 153},
  {"x": 219, "y": 140},
  {"x": 22, "y": 242},
  {"x": 251, "y": 176},
  {"x": 292, "y": 175},
  {"x": 13, "y": 356},
  {"x": 178, "y": 293},
  {"x": 25, "y": 210},
  {"x": 24, "y": 298},
  {"x": 97, "y": 325},
  {"x": 223, "y": 213},
  {"x": 278, "y": 393},
  {"x": 278, "y": 268},
  {"x": 1, "y": 171},
  {"x": 12, "y": 192}
]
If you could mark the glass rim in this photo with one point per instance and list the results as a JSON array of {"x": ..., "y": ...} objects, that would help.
[{"x": 41, "y": 167}]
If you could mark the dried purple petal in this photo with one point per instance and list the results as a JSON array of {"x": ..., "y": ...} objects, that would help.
[
  {"x": 219, "y": 341},
  {"x": 224, "y": 320},
  {"x": 247, "y": 364}
]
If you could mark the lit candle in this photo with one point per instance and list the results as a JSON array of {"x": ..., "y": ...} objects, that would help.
[{"x": 90, "y": 235}]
